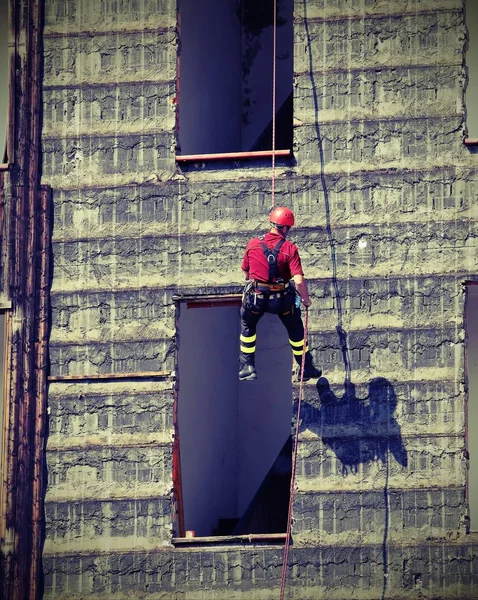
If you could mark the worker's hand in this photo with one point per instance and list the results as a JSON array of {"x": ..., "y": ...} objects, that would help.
[{"x": 306, "y": 302}]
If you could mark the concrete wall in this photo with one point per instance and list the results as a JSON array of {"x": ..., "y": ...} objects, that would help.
[{"x": 384, "y": 193}]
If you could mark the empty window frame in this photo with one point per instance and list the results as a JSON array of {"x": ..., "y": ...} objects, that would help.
[
  {"x": 471, "y": 56},
  {"x": 225, "y": 76},
  {"x": 471, "y": 321},
  {"x": 4, "y": 77},
  {"x": 234, "y": 436}
]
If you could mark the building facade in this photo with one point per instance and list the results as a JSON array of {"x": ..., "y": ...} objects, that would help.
[{"x": 125, "y": 424}]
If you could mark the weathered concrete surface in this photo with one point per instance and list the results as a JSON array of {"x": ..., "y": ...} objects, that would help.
[
  {"x": 384, "y": 193},
  {"x": 254, "y": 572}
]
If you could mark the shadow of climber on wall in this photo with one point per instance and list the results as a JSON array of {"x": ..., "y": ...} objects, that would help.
[
  {"x": 360, "y": 431},
  {"x": 357, "y": 430}
]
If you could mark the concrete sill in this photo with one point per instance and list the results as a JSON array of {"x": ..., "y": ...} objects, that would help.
[
  {"x": 192, "y": 158},
  {"x": 471, "y": 141},
  {"x": 277, "y": 538}
]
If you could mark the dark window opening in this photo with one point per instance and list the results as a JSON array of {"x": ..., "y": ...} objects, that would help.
[
  {"x": 234, "y": 437},
  {"x": 225, "y": 76},
  {"x": 4, "y": 75},
  {"x": 471, "y": 320}
]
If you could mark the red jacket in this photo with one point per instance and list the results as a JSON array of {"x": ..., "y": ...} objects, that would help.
[{"x": 255, "y": 262}]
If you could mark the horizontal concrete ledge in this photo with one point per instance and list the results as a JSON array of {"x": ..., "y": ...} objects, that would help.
[
  {"x": 463, "y": 276},
  {"x": 360, "y": 227},
  {"x": 108, "y": 134},
  {"x": 377, "y": 435},
  {"x": 101, "y": 491},
  {"x": 126, "y": 497},
  {"x": 217, "y": 302},
  {"x": 390, "y": 489},
  {"x": 230, "y": 539},
  {"x": 466, "y": 541},
  {"x": 362, "y": 378},
  {"x": 369, "y": 14},
  {"x": 105, "y": 84},
  {"x": 191, "y": 158},
  {"x": 88, "y": 442},
  {"x": 471, "y": 141},
  {"x": 168, "y": 178},
  {"x": 382, "y": 119},
  {"x": 92, "y": 33},
  {"x": 111, "y": 376},
  {"x": 166, "y": 547},
  {"x": 373, "y": 68}
]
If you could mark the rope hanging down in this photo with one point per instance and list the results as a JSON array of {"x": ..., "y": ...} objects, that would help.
[
  {"x": 294, "y": 463},
  {"x": 274, "y": 52}
]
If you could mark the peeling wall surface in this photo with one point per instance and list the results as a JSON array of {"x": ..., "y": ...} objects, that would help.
[{"x": 384, "y": 193}]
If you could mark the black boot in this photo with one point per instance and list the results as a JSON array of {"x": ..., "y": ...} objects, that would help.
[
  {"x": 310, "y": 371},
  {"x": 247, "y": 371}
]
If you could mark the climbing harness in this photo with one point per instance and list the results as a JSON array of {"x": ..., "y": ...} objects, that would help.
[
  {"x": 294, "y": 463},
  {"x": 271, "y": 257}
]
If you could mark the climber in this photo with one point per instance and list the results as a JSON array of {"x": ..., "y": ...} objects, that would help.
[{"x": 274, "y": 277}]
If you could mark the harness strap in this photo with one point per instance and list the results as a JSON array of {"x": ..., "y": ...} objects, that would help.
[{"x": 271, "y": 257}]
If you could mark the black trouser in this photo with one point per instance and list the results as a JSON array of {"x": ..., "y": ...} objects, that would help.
[{"x": 282, "y": 303}]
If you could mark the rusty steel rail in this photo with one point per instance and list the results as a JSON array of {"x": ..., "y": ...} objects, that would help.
[
  {"x": 26, "y": 233},
  {"x": 188, "y": 158}
]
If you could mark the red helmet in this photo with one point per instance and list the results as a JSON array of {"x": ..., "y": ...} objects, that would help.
[{"x": 281, "y": 215}]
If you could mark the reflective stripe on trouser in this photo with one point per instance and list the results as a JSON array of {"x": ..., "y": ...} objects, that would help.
[
  {"x": 248, "y": 343},
  {"x": 297, "y": 347}
]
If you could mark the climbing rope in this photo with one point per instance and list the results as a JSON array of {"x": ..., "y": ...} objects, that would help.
[
  {"x": 274, "y": 52},
  {"x": 294, "y": 462}
]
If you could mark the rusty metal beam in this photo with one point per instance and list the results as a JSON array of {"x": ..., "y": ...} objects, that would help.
[
  {"x": 26, "y": 230},
  {"x": 42, "y": 334},
  {"x": 229, "y": 539},
  {"x": 188, "y": 158},
  {"x": 30, "y": 236}
]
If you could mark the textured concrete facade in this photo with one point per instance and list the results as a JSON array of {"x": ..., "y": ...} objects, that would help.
[{"x": 383, "y": 189}]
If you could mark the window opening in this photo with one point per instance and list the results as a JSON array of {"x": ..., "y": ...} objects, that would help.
[
  {"x": 471, "y": 56},
  {"x": 4, "y": 75},
  {"x": 234, "y": 437},
  {"x": 225, "y": 76},
  {"x": 471, "y": 320}
]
